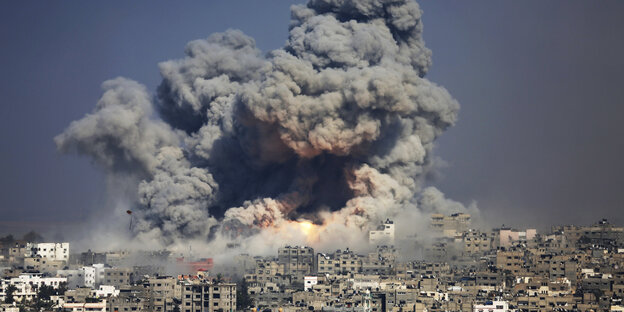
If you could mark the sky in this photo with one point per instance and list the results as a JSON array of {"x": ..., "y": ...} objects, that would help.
[{"x": 539, "y": 137}]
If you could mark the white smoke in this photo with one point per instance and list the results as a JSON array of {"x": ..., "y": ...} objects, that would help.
[{"x": 337, "y": 127}]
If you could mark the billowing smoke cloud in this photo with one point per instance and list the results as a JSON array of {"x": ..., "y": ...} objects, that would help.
[{"x": 337, "y": 127}]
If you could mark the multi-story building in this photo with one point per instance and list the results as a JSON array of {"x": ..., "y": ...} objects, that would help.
[
  {"x": 27, "y": 285},
  {"x": 512, "y": 261},
  {"x": 163, "y": 293},
  {"x": 450, "y": 226},
  {"x": 492, "y": 306},
  {"x": 207, "y": 297},
  {"x": 44, "y": 265},
  {"x": 476, "y": 243},
  {"x": 298, "y": 261},
  {"x": 50, "y": 251},
  {"x": 508, "y": 237},
  {"x": 340, "y": 262},
  {"x": 117, "y": 276}
]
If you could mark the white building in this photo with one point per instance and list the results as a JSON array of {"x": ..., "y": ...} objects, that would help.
[
  {"x": 384, "y": 235},
  {"x": 100, "y": 274},
  {"x": 51, "y": 251},
  {"x": 492, "y": 306},
  {"x": 89, "y": 276},
  {"x": 27, "y": 285},
  {"x": 309, "y": 281},
  {"x": 106, "y": 291}
]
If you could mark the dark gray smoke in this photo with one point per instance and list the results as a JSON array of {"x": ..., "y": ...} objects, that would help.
[{"x": 337, "y": 127}]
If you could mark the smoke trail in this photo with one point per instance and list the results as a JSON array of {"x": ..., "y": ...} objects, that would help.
[{"x": 336, "y": 127}]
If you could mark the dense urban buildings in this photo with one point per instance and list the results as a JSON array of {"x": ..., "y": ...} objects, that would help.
[{"x": 570, "y": 268}]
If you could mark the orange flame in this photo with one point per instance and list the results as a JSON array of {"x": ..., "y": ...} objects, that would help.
[{"x": 309, "y": 229}]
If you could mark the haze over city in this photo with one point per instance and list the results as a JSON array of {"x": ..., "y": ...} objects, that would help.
[{"x": 317, "y": 155}]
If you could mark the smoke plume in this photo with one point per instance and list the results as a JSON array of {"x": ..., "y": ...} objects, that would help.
[{"x": 336, "y": 129}]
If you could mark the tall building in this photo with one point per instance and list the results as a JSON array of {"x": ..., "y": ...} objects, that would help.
[{"x": 297, "y": 261}]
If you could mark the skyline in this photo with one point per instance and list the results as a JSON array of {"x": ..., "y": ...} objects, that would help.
[{"x": 544, "y": 183}]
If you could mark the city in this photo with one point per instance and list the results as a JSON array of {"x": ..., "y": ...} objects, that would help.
[
  {"x": 571, "y": 268},
  {"x": 311, "y": 156}
]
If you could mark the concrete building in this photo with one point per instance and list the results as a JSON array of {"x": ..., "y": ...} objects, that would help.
[
  {"x": 105, "y": 291},
  {"x": 340, "y": 262},
  {"x": 50, "y": 251},
  {"x": 117, "y": 276},
  {"x": 309, "y": 282},
  {"x": 509, "y": 237},
  {"x": 492, "y": 306},
  {"x": 163, "y": 292},
  {"x": 383, "y": 235},
  {"x": 206, "y": 297},
  {"x": 450, "y": 226},
  {"x": 27, "y": 285},
  {"x": 512, "y": 261},
  {"x": 476, "y": 243},
  {"x": 83, "y": 307},
  {"x": 43, "y": 265},
  {"x": 297, "y": 261}
]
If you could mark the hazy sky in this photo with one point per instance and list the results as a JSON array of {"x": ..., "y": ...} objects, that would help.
[{"x": 541, "y": 84}]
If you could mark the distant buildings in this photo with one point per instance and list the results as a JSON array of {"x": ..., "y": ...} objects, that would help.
[{"x": 572, "y": 268}]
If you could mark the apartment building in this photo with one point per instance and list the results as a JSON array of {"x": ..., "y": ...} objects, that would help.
[
  {"x": 207, "y": 297},
  {"x": 297, "y": 261}
]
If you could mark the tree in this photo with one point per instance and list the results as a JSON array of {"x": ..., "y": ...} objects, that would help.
[
  {"x": 62, "y": 288},
  {"x": 8, "y": 298},
  {"x": 45, "y": 292},
  {"x": 243, "y": 300}
]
